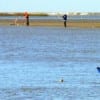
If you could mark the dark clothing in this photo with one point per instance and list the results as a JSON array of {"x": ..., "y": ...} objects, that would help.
[
  {"x": 65, "y": 19},
  {"x": 27, "y": 20},
  {"x": 65, "y": 24}
]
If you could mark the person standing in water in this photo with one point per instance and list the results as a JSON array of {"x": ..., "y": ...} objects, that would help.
[
  {"x": 65, "y": 20},
  {"x": 27, "y": 18}
]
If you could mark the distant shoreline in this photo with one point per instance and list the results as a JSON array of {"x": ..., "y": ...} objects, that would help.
[
  {"x": 50, "y": 13},
  {"x": 22, "y": 14}
]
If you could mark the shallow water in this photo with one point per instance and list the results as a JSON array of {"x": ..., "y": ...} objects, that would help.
[
  {"x": 59, "y": 18},
  {"x": 33, "y": 60}
]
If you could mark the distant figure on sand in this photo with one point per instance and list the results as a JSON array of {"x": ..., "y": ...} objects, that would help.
[
  {"x": 65, "y": 20},
  {"x": 27, "y": 18}
]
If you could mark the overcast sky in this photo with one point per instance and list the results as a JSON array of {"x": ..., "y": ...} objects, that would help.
[{"x": 50, "y": 5}]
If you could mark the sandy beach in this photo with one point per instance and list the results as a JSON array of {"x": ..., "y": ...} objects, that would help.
[{"x": 53, "y": 23}]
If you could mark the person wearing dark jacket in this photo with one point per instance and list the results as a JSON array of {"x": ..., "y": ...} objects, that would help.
[{"x": 65, "y": 20}]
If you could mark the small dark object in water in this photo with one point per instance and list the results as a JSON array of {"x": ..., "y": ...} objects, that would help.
[
  {"x": 61, "y": 80},
  {"x": 98, "y": 68}
]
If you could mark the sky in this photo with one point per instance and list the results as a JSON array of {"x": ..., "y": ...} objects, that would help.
[{"x": 50, "y": 5}]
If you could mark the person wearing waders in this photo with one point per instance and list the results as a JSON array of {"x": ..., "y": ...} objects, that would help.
[
  {"x": 65, "y": 20},
  {"x": 27, "y": 18}
]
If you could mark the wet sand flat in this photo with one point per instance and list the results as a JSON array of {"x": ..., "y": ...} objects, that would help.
[{"x": 54, "y": 23}]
